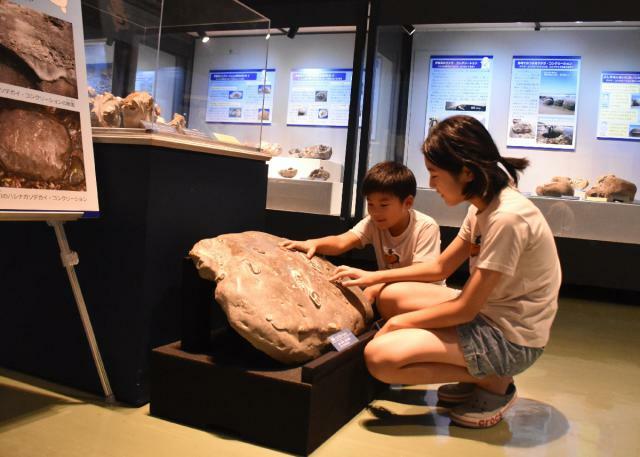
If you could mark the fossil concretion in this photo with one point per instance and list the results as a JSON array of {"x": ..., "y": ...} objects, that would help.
[
  {"x": 561, "y": 185},
  {"x": 36, "y": 50},
  {"x": 178, "y": 122},
  {"x": 613, "y": 189},
  {"x": 106, "y": 110},
  {"x": 279, "y": 300},
  {"x": 319, "y": 151},
  {"x": 320, "y": 173},
  {"x": 138, "y": 107},
  {"x": 33, "y": 144},
  {"x": 288, "y": 172}
]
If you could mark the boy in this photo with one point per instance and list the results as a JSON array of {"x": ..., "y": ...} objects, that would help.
[{"x": 401, "y": 236}]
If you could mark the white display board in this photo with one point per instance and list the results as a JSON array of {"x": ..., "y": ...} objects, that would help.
[
  {"x": 240, "y": 96},
  {"x": 319, "y": 97},
  {"x": 619, "y": 109},
  {"x": 46, "y": 150},
  {"x": 544, "y": 102},
  {"x": 458, "y": 84}
]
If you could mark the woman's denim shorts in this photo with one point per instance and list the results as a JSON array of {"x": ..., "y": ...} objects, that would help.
[{"x": 487, "y": 351}]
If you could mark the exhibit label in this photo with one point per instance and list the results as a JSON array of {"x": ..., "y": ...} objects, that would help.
[
  {"x": 240, "y": 96},
  {"x": 46, "y": 149},
  {"x": 458, "y": 85},
  {"x": 544, "y": 101},
  {"x": 619, "y": 110},
  {"x": 319, "y": 97}
]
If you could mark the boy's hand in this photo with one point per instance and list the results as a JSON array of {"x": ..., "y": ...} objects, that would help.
[
  {"x": 307, "y": 247},
  {"x": 355, "y": 277}
]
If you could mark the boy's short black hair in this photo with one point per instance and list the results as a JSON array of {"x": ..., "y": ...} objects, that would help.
[{"x": 390, "y": 178}]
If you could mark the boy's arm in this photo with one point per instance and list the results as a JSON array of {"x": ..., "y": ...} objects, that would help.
[
  {"x": 437, "y": 270},
  {"x": 454, "y": 312},
  {"x": 328, "y": 245}
]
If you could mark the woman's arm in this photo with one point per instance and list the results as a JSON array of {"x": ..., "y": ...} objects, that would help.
[
  {"x": 452, "y": 257},
  {"x": 450, "y": 313}
]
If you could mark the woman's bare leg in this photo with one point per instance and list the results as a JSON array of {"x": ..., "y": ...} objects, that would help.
[
  {"x": 418, "y": 356},
  {"x": 402, "y": 297}
]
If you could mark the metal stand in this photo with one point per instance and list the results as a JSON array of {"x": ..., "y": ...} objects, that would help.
[{"x": 69, "y": 260}]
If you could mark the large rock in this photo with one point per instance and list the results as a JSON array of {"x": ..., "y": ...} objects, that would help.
[
  {"x": 280, "y": 301},
  {"x": 34, "y": 144},
  {"x": 613, "y": 189},
  {"x": 561, "y": 185},
  {"x": 319, "y": 151}
]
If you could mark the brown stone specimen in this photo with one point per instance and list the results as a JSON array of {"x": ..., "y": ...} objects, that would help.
[
  {"x": 288, "y": 172},
  {"x": 613, "y": 189},
  {"x": 33, "y": 144},
  {"x": 319, "y": 151},
  {"x": 106, "y": 110},
  {"x": 138, "y": 107},
  {"x": 320, "y": 174},
  {"x": 280, "y": 301},
  {"x": 561, "y": 185}
]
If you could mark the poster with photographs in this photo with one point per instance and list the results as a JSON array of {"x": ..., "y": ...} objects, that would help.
[
  {"x": 46, "y": 151},
  {"x": 544, "y": 102},
  {"x": 458, "y": 85},
  {"x": 319, "y": 97},
  {"x": 240, "y": 96},
  {"x": 619, "y": 110}
]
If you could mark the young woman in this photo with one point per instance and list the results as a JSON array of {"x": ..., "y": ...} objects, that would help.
[{"x": 498, "y": 325}]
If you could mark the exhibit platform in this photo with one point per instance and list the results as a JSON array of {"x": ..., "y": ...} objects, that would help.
[{"x": 294, "y": 409}]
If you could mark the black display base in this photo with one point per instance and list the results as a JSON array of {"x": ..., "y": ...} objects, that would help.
[
  {"x": 290, "y": 409},
  {"x": 215, "y": 378}
]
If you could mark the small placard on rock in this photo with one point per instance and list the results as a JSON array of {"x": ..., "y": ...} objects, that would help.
[{"x": 343, "y": 340}]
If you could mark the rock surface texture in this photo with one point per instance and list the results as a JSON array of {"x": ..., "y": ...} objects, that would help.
[
  {"x": 319, "y": 151},
  {"x": 278, "y": 300},
  {"x": 613, "y": 189},
  {"x": 43, "y": 48}
]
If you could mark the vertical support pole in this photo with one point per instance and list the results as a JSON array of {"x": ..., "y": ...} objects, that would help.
[{"x": 69, "y": 260}]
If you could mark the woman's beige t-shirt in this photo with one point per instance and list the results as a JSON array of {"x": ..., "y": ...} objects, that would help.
[{"x": 511, "y": 236}]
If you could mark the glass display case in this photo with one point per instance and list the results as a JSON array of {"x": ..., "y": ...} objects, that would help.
[
  {"x": 156, "y": 68},
  {"x": 564, "y": 95}
]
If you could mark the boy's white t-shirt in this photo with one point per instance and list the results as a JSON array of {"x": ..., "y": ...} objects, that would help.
[
  {"x": 512, "y": 236},
  {"x": 419, "y": 242}
]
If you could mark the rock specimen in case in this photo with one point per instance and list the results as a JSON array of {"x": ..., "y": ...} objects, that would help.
[
  {"x": 273, "y": 149},
  {"x": 178, "y": 122},
  {"x": 614, "y": 189},
  {"x": 288, "y": 172},
  {"x": 279, "y": 300},
  {"x": 561, "y": 185},
  {"x": 106, "y": 110},
  {"x": 320, "y": 173},
  {"x": 138, "y": 107},
  {"x": 319, "y": 151}
]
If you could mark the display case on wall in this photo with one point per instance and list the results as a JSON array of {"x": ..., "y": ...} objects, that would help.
[
  {"x": 150, "y": 76},
  {"x": 564, "y": 95}
]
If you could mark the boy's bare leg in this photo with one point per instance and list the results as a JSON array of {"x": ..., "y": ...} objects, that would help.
[
  {"x": 402, "y": 297},
  {"x": 418, "y": 356}
]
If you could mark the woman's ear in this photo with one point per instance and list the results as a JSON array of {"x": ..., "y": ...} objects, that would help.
[{"x": 466, "y": 175}]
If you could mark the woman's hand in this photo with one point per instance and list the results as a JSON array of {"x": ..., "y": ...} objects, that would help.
[
  {"x": 394, "y": 323},
  {"x": 349, "y": 276}
]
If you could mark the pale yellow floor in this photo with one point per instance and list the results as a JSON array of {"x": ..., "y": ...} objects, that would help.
[{"x": 582, "y": 398}]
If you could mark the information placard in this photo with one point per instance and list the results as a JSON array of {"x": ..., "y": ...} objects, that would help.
[
  {"x": 544, "y": 101},
  {"x": 46, "y": 150},
  {"x": 236, "y": 96},
  {"x": 319, "y": 97},
  {"x": 458, "y": 85},
  {"x": 619, "y": 113}
]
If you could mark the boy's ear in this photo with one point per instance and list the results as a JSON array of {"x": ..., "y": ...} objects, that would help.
[{"x": 408, "y": 202}]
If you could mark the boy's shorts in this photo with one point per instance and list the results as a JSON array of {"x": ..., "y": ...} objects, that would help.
[{"x": 487, "y": 351}]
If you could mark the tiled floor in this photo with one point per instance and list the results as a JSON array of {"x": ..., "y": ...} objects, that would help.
[{"x": 582, "y": 398}]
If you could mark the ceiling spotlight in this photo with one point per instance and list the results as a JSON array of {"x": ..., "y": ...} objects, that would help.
[
  {"x": 203, "y": 36},
  {"x": 292, "y": 31},
  {"x": 410, "y": 29}
]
